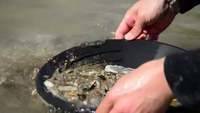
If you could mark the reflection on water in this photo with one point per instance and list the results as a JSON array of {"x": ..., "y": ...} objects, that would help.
[{"x": 33, "y": 31}]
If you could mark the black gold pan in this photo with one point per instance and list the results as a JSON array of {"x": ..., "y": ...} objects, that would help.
[{"x": 119, "y": 52}]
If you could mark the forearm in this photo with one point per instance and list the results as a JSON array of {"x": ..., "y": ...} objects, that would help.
[{"x": 182, "y": 72}]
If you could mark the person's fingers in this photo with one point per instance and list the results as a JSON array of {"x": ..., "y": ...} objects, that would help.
[
  {"x": 145, "y": 31},
  {"x": 117, "y": 108},
  {"x": 136, "y": 30},
  {"x": 115, "y": 111},
  {"x": 123, "y": 28},
  {"x": 143, "y": 35},
  {"x": 105, "y": 106}
]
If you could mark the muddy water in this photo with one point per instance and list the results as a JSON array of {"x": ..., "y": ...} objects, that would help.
[{"x": 33, "y": 31}]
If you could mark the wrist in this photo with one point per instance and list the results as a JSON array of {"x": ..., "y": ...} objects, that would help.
[
  {"x": 166, "y": 89},
  {"x": 173, "y": 5},
  {"x": 160, "y": 83}
]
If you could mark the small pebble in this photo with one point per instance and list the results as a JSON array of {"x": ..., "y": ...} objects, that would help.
[
  {"x": 34, "y": 92},
  {"x": 67, "y": 88},
  {"x": 35, "y": 71},
  {"x": 48, "y": 84},
  {"x": 2, "y": 80}
]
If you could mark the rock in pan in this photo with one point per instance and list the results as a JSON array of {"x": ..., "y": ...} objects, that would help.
[
  {"x": 67, "y": 88},
  {"x": 48, "y": 84},
  {"x": 117, "y": 69}
]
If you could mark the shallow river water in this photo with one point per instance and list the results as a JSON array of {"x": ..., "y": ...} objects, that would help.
[{"x": 31, "y": 31}]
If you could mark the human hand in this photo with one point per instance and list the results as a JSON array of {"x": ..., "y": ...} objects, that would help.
[
  {"x": 146, "y": 19},
  {"x": 144, "y": 90}
]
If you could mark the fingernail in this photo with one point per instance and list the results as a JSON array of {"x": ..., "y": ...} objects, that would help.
[
  {"x": 119, "y": 36},
  {"x": 129, "y": 36}
]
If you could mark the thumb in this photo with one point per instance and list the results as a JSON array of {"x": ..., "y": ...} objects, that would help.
[{"x": 135, "y": 31}]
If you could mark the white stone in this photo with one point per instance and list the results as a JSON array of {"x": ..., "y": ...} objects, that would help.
[
  {"x": 48, "y": 84},
  {"x": 117, "y": 69},
  {"x": 67, "y": 88}
]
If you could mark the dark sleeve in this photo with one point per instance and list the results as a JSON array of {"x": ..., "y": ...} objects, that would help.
[
  {"x": 182, "y": 72},
  {"x": 186, "y": 5}
]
